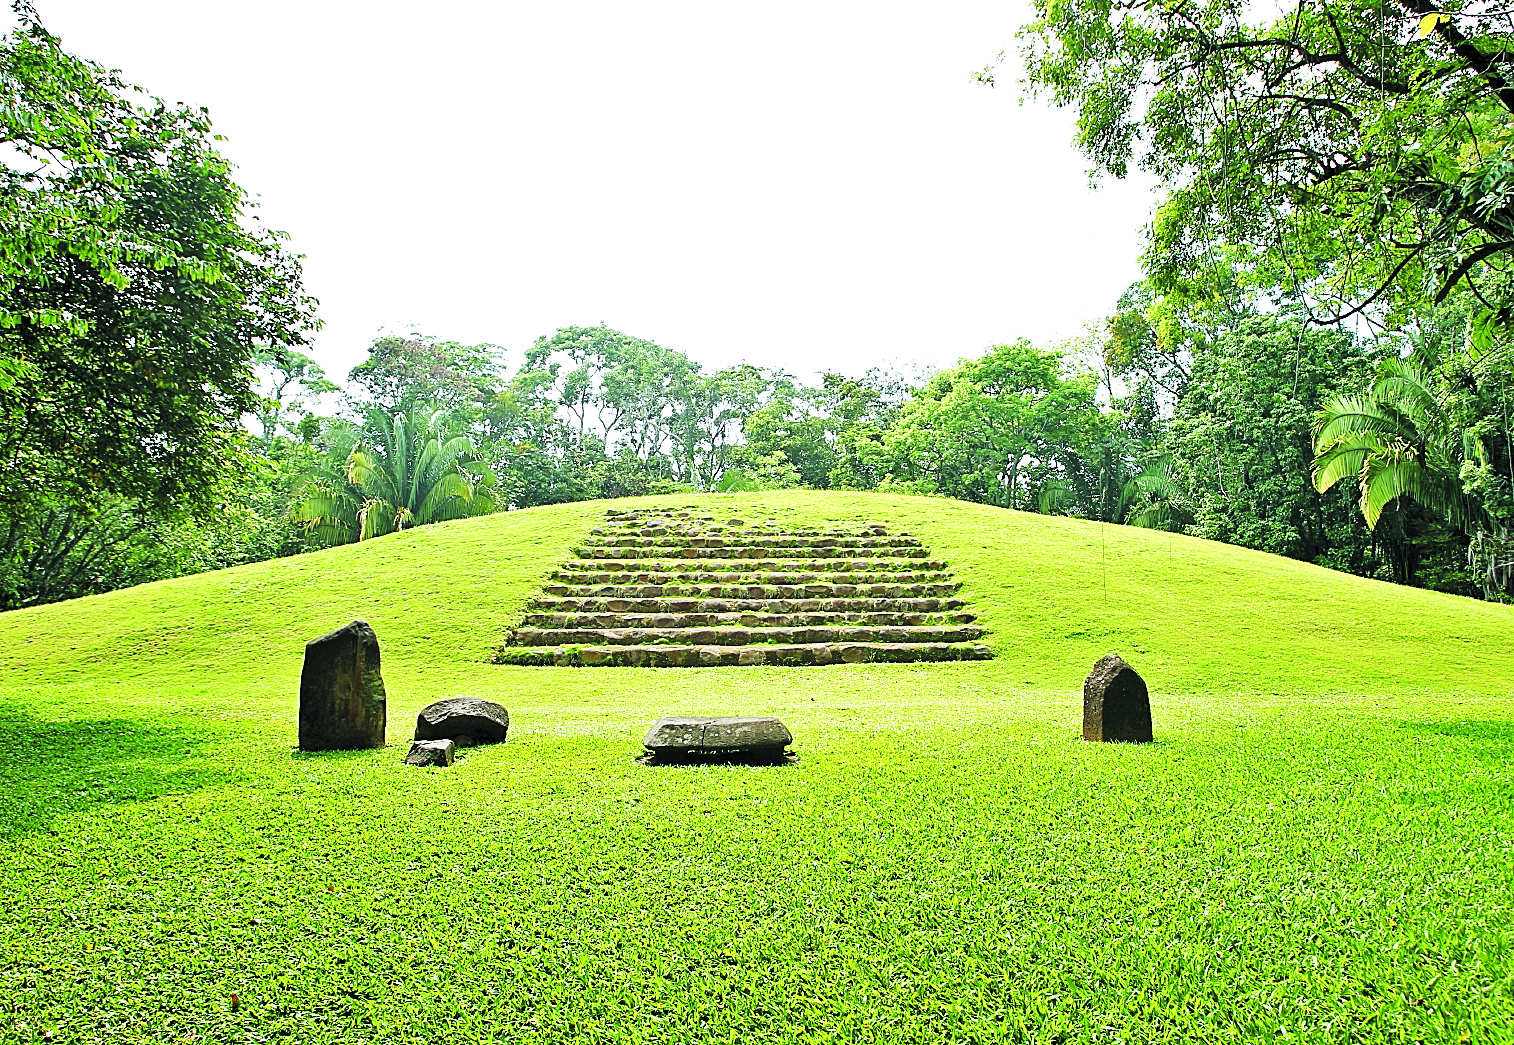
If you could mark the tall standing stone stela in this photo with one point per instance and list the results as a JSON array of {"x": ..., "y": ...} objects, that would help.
[
  {"x": 1115, "y": 703},
  {"x": 342, "y": 702}
]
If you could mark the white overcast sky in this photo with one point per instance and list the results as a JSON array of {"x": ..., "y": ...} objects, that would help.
[{"x": 808, "y": 186}]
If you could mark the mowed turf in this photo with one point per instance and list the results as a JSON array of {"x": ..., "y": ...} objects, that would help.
[{"x": 1318, "y": 847}]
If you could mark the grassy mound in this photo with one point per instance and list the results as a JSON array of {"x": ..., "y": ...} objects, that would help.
[{"x": 1318, "y": 844}]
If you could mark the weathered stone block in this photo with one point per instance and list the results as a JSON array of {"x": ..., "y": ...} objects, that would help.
[
  {"x": 342, "y": 700},
  {"x": 679, "y": 738},
  {"x": 1115, "y": 703},
  {"x": 431, "y": 753},
  {"x": 675, "y": 733},
  {"x": 746, "y": 734},
  {"x": 482, "y": 720}
]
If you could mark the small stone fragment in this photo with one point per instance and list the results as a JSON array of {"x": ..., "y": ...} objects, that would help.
[
  {"x": 342, "y": 700},
  {"x": 1115, "y": 703},
  {"x": 482, "y": 721},
  {"x": 431, "y": 753}
]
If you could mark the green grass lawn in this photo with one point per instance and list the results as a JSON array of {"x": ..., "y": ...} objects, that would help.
[{"x": 1318, "y": 847}]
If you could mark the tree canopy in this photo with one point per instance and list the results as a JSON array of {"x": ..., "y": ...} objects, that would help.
[
  {"x": 1345, "y": 160},
  {"x": 401, "y": 373},
  {"x": 135, "y": 287},
  {"x": 996, "y": 429},
  {"x": 1353, "y": 155}
]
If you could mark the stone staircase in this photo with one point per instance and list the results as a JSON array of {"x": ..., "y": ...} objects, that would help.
[{"x": 684, "y": 590}]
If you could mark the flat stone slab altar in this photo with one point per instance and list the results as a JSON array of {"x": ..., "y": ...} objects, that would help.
[{"x": 681, "y": 738}]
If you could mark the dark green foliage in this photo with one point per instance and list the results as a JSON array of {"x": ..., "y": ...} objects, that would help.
[
  {"x": 1347, "y": 159},
  {"x": 997, "y": 430},
  {"x": 1242, "y": 444},
  {"x": 394, "y": 472},
  {"x": 402, "y": 373},
  {"x": 1241, "y": 397},
  {"x": 132, "y": 290},
  {"x": 1211, "y": 438},
  {"x": 1431, "y": 429},
  {"x": 1354, "y": 153},
  {"x": 64, "y": 549}
]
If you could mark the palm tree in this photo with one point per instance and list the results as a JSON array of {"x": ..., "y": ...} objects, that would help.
[
  {"x": 397, "y": 474},
  {"x": 1148, "y": 498},
  {"x": 1397, "y": 441}
]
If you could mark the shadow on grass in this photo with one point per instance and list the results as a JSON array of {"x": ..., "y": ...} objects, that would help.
[
  {"x": 349, "y": 754},
  {"x": 718, "y": 760},
  {"x": 53, "y": 769},
  {"x": 1469, "y": 729},
  {"x": 1489, "y": 742}
]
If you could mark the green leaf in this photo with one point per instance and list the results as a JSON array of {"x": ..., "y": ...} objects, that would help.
[{"x": 1428, "y": 23}]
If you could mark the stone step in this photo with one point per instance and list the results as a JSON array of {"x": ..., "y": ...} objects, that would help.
[
  {"x": 582, "y": 577},
  {"x": 699, "y": 540},
  {"x": 733, "y": 656},
  {"x": 637, "y": 521},
  {"x": 712, "y": 526},
  {"x": 754, "y": 565},
  {"x": 686, "y": 604},
  {"x": 742, "y": 636},
  {"x": 744, "y": 620},
  {"x": 754, "y": 591},
  {"x": 681, "y": 589},
  {"x": 620, "y": 551}
]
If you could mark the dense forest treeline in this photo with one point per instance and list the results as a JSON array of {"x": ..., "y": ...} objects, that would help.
[
  {"x": 1317, "y": 363},
  {"x": 1217, "y": 438}
]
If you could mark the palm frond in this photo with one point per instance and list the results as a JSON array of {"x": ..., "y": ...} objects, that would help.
[
  {"x": 1385, "y": 479},
  {"x": 1155, "y": 483},
  {"x": 362, "y": 467},
  {"x": 1403, "y": 385},
  {"x": 1353, "y": 415},
  {"x": 399, "y": 457},
  {"x": 1054, "y": 496},
  {"x": 1345, "y": 458},
  {"x": 331, "y": 532},
  {"x": 1164, "y": 515},
  {"x": 375, "y": 518},
  {"x": 437, "y": 506},
  {"x": 1399, "y": 473},
  {"x": 316, "y": 506},
  {"x": 484, "y": 501},
  {"x": 1148, "y": 497}
]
